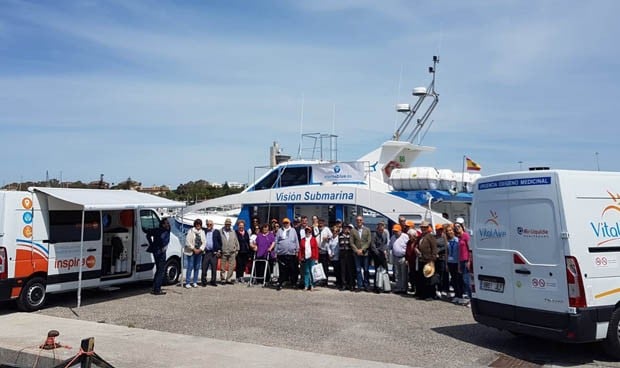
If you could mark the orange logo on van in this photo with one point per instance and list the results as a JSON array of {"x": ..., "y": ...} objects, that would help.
[
  {"x": 27, "y": 231},
  {"x": 493, "y": 218},
  {"x": 27, "y": 203},
  {"x": 616, "y": 199},
  {"x": 607, "y": 230}
]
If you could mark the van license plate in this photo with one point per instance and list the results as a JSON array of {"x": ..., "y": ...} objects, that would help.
[{"x": 497, "y": 287}]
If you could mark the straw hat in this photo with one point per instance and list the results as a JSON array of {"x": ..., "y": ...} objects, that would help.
[{"x": 429, "y": 269}]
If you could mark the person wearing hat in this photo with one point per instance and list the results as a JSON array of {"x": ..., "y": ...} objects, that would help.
[
  {"x": 230, "y": 247},
  {"x": 427, "y": 252},
  {"x": 398, "y": 245},
  {"x": 347, "y": 263},
  {"x": 464, "y": 254},
  {"x": 287, "y": 248}
]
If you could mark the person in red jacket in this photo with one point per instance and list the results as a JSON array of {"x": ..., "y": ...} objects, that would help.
[{"x": 308, "y": 256}]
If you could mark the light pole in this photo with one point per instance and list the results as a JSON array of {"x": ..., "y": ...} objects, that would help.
[
  {"x": 598, "y": 168},
  {"x": 520, "y": 165}
]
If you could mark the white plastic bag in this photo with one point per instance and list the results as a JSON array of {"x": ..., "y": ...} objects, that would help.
[{"x": 317, "y": 272}]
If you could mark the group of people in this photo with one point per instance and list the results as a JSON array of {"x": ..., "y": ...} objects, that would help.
[
  {"x": 445, "y": 250},
  {"x": 295, "y": 249}
]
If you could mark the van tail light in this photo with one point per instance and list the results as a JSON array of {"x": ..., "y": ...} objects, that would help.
[
  {"x": 576, "y": 294},
  {"x": 4, "y": 267}
]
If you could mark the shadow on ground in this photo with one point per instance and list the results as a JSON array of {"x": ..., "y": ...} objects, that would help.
[{"x": 529, "y": 349}]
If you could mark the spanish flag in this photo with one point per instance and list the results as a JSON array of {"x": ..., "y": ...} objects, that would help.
[{"x": 472, "y": 165}]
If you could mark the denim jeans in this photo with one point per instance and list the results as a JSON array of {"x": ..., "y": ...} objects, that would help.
[
  {"x": 160, "y": 268},
  {"x": 465, "y": 273},
  {"x": 193, "y": 263},
  {"x": 361, "y": 269},
  {"x": 307, "y": 264}
]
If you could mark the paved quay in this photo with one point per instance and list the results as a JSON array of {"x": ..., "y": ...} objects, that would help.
[
  {"x": 239, "y": 326},
  {"x": 135, "y": 347}
]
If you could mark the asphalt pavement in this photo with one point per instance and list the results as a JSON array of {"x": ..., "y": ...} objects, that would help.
[{"x": 240, "y": 326}]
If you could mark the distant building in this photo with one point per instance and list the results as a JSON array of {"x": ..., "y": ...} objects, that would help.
[
  {"x": 236, "y": 185},
  {"x": 216, "y": 185},
  {"x": 156, "y": 190},
  {"x": 98, "y": 184}
]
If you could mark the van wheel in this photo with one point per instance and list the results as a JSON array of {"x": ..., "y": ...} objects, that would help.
[
  {"x": 172, "y": 271},
  {"x": 612, "y": 343},
  {"x": 32, "y": 296}
]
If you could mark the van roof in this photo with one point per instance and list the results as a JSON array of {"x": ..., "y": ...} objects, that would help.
[{"x": 105, "y": 199}]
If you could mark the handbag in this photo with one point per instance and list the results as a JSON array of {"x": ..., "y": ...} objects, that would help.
[
  {"x": 379, "y": 277},
  {"x": 386, "y": 282},
  {"x": 317, "y": 272},
  {"x": 275, "y": 272}
]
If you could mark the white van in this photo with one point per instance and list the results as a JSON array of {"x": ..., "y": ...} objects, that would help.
[
  {"x": 44, "y": 250},
  {"x": 546, "y": 251}
]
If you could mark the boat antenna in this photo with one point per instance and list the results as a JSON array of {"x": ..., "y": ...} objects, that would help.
[
  {"x": 400, "y": 82},
  {"x": 334, "y": 120},
  {"x": 301, "y": 126}
]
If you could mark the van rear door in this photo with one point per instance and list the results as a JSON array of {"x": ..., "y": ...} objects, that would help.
[{"x": 493, "y": 258}]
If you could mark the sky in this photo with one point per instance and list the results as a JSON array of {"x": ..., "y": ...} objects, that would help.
[{"x": 167, "y": 92}]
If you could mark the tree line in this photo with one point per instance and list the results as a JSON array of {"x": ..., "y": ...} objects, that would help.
[{"x": 190, "y": 192}]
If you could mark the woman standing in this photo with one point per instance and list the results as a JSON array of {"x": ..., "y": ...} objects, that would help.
[
  {"x": 264, "y": 244},
  {"x": 195, "y": 242},
  {"x": 456, "y": 277},
  {"x": 333, "y": 251},
  {"x": 308, "y": 255}
]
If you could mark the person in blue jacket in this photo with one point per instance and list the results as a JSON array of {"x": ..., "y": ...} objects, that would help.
[{"x": 158, "y": 240}]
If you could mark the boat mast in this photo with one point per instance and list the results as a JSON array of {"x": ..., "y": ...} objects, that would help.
[{"x": 422, "y": 93}]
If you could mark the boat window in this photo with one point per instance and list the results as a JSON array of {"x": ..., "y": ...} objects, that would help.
[
  {"x": 148, "y": 220},
  {"x": 268, "y": 182},
  {"x": 371, "y": 218},
  {"x": 295, "y": 176},
  {"x": 66, "y": 226}
]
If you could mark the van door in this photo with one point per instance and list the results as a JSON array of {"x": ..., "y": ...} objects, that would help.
[
  {"x": 148, "y": 220},
  {"x": 65, "y": 249},
  {"x": 493, "y": 258},
  {"x": 539, "y": 267}
]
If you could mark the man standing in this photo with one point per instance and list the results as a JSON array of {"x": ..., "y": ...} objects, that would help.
[
  {"x": 158, "y": 240},
  {"x": 213, "y": 250},
  {"x": 360, "y": 240},
  {"x": 398, "y": 244},
  {"x": 230, "y": 247},
  {"x": 347, "y": 263},
  {"x": 287, "y": 248},
  {"x": 427, "y": 252},
  {"x": 378, "y": 251}
]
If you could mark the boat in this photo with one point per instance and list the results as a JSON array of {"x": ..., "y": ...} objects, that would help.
[{"x": 372, "y": 186}]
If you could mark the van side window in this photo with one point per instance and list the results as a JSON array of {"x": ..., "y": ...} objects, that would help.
[
  {"x": 148, "y": 220},
  {"x": 66, "y": 226}
]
